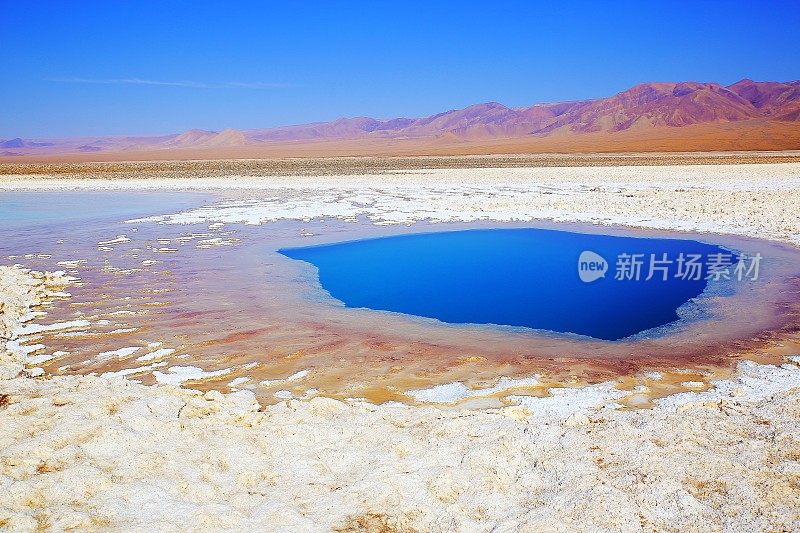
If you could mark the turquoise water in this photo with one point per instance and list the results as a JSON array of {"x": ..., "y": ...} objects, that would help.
[{"x": 516, "y": 277}]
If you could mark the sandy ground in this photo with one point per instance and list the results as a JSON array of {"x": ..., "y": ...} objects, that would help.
[
  {"x": 108, "y": 454},
  {"x": 333, "y": 166}
]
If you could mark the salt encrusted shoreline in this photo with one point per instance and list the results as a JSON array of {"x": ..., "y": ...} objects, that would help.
[
  {"x": 20, "y": 291},
  {"x": 756, "y": 200},
  {"x": 103, "y": 453}
]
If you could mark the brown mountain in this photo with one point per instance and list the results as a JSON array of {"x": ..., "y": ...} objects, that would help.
[
  {"x": 772, "y": 99},
  {"x": 652, "y": 105},
  {"x": 227, "y": 137},
  {"x": 191, "y": 137},
  {"x": 648, "y": 105},
  {"x": 744, "y": 115}
]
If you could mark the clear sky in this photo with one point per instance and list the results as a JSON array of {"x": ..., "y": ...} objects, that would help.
[{"x": 114, "y": 67}]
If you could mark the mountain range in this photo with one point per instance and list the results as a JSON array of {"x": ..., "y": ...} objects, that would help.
[{"x": 746, "y": 115}]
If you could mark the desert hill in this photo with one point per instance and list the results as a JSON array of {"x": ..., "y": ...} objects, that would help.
[{"x": 686, "y": 116}]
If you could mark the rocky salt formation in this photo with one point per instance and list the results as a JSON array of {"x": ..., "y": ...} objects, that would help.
[
  {"x": 88, "y": 453},
  {"x": 101, "y": 453},
  {"x": 20, "y": 291}
]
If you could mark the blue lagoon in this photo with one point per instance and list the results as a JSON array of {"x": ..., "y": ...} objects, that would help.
[{"x": 525, "y": 277}]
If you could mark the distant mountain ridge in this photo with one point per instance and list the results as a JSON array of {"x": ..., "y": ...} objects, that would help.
[{"x": 646, "y": 106}]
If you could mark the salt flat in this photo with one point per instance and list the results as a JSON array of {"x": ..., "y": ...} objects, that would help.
[
  {"x": 94, "y": 452},
  {"x": 98, "y": 453},
  {"x": 757, "y": 200}
]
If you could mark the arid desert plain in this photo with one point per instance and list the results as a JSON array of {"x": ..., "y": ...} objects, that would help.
[{"x": 163, "y": 367}]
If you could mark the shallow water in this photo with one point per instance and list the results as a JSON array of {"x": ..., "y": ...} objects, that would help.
[
  {"x": 515, "y": 277},
  {"x": 26, "y": 209}
]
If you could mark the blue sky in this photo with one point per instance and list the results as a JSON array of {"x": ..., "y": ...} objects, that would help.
[{"x": 113, "y": 67}]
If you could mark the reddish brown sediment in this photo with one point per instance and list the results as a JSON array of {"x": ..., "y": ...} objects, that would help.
[{"x": 215, "y": 312}]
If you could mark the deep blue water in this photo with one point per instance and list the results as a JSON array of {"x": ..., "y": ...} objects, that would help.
[{"x": 514, "y": 277}]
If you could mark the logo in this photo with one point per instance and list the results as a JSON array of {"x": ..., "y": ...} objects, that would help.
[{"x": 591, "y": 266}]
